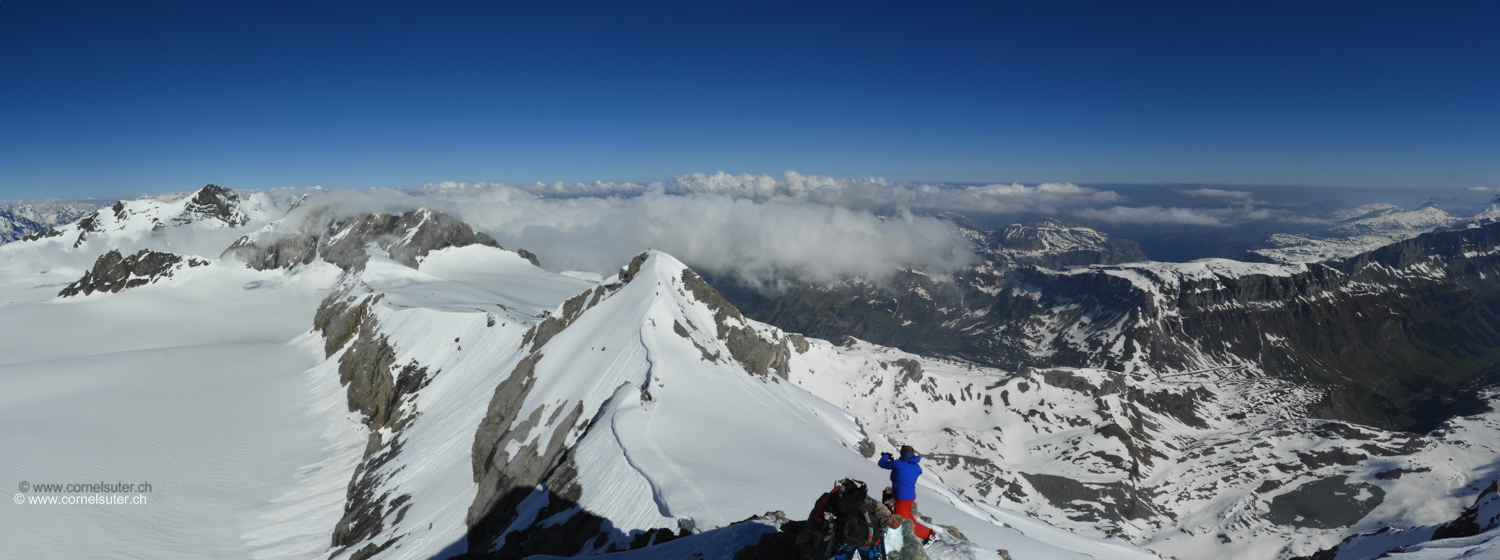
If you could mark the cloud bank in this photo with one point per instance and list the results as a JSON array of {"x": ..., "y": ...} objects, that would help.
[
  {"x": 869, "y": 193},
  {"x": 764, "y": 242},
  {"x": 758, "y": 228},
  {"x": 768, "y": 230}
]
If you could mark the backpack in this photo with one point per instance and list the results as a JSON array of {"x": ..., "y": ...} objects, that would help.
[{"x": 853, "y": 526}]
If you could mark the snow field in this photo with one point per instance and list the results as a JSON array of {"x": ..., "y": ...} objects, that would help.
[{"x": 189, "y": 384}]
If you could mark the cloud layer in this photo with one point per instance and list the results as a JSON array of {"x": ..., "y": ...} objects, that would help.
[
  {"x": 764, "y": 242},
  {"x": 865, "y": 194},
  {"x": 766, "y": 229}
]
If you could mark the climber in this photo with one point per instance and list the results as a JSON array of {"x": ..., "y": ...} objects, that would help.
[{"x": 904, "y": 473}]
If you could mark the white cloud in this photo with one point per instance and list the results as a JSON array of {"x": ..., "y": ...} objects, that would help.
[
  {"x": 1217, "y": 193},
  {"x": 757, "y": 227},
  {"x": 761, "y": 241},
  {"x": 868, "y": 193}
]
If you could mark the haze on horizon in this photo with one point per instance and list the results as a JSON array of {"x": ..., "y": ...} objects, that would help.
[{"x": 113, "y": 100}]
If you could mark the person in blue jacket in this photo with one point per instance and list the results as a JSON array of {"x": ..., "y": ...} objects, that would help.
[{"x": 904, "y": 473}]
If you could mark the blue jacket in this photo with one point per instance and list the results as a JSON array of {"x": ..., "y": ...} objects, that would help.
[{"x": 904, "y": 473}]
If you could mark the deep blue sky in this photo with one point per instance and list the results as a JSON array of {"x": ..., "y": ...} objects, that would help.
[{"x": 119, "y": 98}]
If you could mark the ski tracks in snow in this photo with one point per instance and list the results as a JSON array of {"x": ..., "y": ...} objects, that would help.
[{"x": 651, "y": 441}]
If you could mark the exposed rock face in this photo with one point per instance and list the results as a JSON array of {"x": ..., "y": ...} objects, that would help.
[
  {"x": 1326, "y": 503},
  {"x": 758, "y": 355},
  {"x": 382, "y": 393},
  {"x": 571, "y": 309},
  {"x": 1093, "y": 502},
  {"x": 113, "y": 272},
  {"x": 529, "y": 256},
  {"x": 629, "y": 271},
  {"x": 343, "y": 241}
]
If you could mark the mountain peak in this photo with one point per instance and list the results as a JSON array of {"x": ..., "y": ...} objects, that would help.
[{"x": 214, "y": 202}]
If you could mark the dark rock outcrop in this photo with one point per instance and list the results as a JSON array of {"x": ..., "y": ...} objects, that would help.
[
  {"x": 529, "y": 256},
  {"x": 383, "y": 393},
  {"x": 43, "y": 234},
  {"x": 758, "y": 355},
  {"x": 1088, "y": 501},
  {"x": 113, "y": 272}
]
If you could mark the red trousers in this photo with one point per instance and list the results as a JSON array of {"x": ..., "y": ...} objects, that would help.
[{"x": 903, "y": 509}]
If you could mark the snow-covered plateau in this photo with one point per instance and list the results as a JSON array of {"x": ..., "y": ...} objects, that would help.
[{"x": 293, "y": 381}]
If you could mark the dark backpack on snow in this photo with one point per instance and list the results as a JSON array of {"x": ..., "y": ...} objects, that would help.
[{"x": 852, "y": 523}]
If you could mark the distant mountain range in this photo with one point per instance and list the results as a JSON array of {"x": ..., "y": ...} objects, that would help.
[{"x": 20, "y": 219}]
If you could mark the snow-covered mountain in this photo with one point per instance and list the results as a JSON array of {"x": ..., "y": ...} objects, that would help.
[
  {"x": 400, "y": 386},
  {"x": 1047, "y": 243},
  {"x": 1363, "y": 229}
]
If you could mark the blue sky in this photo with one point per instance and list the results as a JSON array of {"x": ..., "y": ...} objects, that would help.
[{"x": 117, "y": 99}]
